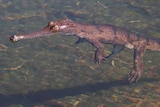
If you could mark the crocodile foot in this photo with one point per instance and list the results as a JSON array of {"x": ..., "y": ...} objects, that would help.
[{"x": 134, "y": 76}]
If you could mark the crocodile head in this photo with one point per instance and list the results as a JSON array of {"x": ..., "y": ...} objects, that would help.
[{"x": 59, "y": 27}]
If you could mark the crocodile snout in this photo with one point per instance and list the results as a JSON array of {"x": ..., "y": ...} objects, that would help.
[
  {"x": 12, "y": 38},
  {"x": 15, "y": 38}
]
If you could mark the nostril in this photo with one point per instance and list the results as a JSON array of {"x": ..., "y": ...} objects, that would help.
[{"x": 12, "y": 37}]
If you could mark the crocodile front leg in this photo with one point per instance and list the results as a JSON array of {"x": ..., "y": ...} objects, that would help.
[
  {"x": 116, "y": 50},
  {"x": 100, "y": 49},
  {"x": 135, "y": 74}
]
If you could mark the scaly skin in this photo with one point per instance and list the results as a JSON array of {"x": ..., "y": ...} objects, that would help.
[{"x": 97, "y": 35}]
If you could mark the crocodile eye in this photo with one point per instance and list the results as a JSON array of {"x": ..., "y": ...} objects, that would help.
[
  {"x": 54, "y": 28},
  {"x": 51, "y": 23}
]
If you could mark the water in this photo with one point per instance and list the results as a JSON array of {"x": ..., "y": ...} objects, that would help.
[{"x": 53, "y": 71}]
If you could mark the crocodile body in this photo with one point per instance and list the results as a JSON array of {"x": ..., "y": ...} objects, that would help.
[{"x": 98, "y": 35}]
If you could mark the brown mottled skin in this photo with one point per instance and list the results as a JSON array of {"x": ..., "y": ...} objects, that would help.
[{"x": 97, "y": 35}]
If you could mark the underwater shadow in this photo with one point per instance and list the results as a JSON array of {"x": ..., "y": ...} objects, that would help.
[{"x": 44, "y": 95}]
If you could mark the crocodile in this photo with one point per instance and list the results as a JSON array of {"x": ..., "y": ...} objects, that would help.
[{"x": 98, "y": 35}]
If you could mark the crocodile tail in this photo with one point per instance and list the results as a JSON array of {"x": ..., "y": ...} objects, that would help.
[{"x": 153, "y": 44}]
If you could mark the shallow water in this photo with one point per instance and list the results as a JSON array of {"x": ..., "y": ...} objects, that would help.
[{"x": 53, "y": 71}]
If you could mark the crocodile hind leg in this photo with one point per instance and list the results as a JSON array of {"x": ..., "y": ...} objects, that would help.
[{"x": 135, "y": 74}]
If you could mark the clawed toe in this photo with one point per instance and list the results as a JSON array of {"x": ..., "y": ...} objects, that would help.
[
  {"x": 99, "y": 60},
  {"x": 133, "y": 76}
]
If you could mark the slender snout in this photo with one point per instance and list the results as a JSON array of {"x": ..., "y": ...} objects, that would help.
[
  {"x": 15, "y": 38},
  {"x": 50, "y": 29}
]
